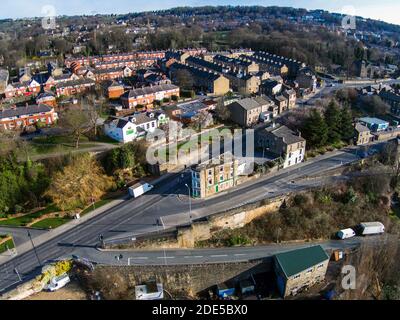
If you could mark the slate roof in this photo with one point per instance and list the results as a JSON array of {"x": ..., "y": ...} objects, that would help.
[
  {"x": 205, "y": 64},
  {"x": 22, "y": 111},
  {"x": 284, "y": 132},
  {"x": 196, "y": 71},
  {"x": 361, "y": 128},
  {"x": 297, "y": 261},
  {"x": 149, "y": 90},
  {"x": 239, "y": 62},
  {"x": 248, "y": 104}
]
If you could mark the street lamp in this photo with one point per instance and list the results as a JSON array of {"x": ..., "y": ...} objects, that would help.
[
  {"x": 34, "y": 248},
  {"x": 190, "y": 203}
]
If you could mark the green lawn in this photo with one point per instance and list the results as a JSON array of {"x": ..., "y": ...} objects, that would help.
[
  {"x": 9, "y": 243},
  {"x": 24, "y": 220},
  {"x": 97, "y": 205},
  {"x": 50, "y": 223},
  {"x": 57, "y": 144}
]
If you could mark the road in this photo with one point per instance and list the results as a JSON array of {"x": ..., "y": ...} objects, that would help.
[
  {"x": 138, "y": 216},
  {"x": 331, "y": 86},
  {"x": 215, "y": 255}
]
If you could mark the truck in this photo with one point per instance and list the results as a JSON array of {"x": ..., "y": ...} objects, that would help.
[
  {"x": 371, "y": 228},
  {"x": 139, "y": 189},
  {"x": 346, "y": 234},
  {"x": 58, "y": 282}
]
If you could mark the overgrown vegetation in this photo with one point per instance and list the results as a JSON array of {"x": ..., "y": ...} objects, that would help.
[{"x": 319, "y": 214}]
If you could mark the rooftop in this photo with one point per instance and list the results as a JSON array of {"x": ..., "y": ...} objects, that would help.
[
  {"x": 22, "y": 111},
  {"x": 285, "y": 133},
  {"x": 373, "y": 120},
  {"x": 149, "y": 90},
  {"x": 296, "y": 261}
]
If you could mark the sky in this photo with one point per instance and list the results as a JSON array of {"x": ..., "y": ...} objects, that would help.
[{"x": 386, "y": 10}]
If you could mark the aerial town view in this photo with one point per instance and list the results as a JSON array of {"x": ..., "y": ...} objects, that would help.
[{"x": 199, "y": 150}]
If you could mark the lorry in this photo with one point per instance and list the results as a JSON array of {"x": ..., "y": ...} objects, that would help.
[
  {"x": 140, "y": 188},
  {"x": 370, "y": 228},
  {"x": 346, "y": 234},
  {"x": 58, "y": 282}
]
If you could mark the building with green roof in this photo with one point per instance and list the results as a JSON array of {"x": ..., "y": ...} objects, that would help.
[{"x": 300, "y": 269}]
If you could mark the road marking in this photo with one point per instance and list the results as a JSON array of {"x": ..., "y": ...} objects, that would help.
[
  {"x": 219, "y": 255},
  {"x": 240, "y": 254},
  {"x": 165, "y": 257},
  {"x": 189, "y": 257},
  {"x": 139, "y": 258}
]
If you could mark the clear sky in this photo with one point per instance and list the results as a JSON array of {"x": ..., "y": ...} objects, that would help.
[{"x": 386, "y": 10}]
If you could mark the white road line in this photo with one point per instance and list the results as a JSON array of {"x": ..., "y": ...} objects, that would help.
[
  {"x": 165, "y": 257},
  {"x": 219, "y": 255},
  {"x": 240, "y": 254},
  {"x": 139, "y": 258},
  {"x": 189, "y": 257}
]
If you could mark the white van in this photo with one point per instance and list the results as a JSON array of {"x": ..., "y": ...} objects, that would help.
[
  {"x": 139, "y": 189},
  {"x": 58, "y": 282},
  {"x": 346, "y": 234}
]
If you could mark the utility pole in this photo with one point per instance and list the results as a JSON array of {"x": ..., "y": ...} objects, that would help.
[
  {"x": 34, "y": 248},
  {"x": 17, "y": 273},
  {"x": 190, "y": 203}
]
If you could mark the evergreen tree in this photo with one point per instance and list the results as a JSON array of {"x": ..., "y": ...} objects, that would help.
[
  {"x": 315, "y": 130},
  {"x": 332, "y": 120},
  {"x": 346, "y": 125}
]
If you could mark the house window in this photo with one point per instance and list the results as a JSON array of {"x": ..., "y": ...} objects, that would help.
[
  {"x": 209, "y": 182},
  {"x": 209, "y": 172},
  {"x": 320, "y": 266},
  {"x": 221, "y": 169},
  {"x": 296, "y": 276},
  {"x": 309, "y": 271},
  {"x": 221, "y": 177}
]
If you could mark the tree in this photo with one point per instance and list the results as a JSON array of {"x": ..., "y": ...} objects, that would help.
[
  {"x": 76, "y": 120},
  {"x": 315, "y": 130},
  {"x": 332, "y": 120},
  {"x": 374, "y": 105},
  {"x": 184, "y": 79},
  {"x": 346, "y": 125},
  {"x": 79, "y": 183},
  {"x": 223, "y": 113}
]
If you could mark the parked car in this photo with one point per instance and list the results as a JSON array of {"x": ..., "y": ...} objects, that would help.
[{"x": 346, "y": 234}]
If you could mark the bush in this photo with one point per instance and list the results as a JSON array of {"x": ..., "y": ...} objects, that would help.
[{"x": 238, "y": 240}]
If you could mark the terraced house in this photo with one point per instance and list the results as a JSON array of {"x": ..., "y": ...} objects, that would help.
[
  {"x": 211, "y": 82},
  {"x": 17, "y": 118},
  {"x": 148, "y": 95},
  {"x": 282, "y": 142},
  {"x": 214, "y": 176}
]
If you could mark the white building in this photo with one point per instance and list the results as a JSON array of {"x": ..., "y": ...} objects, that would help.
[{"x": 130, "y": 128}]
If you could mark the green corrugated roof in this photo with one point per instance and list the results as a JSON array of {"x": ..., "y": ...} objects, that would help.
[{"x": 296, "y": 261}]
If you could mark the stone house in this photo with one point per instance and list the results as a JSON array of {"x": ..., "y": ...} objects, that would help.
[{"x": 300, "y": 269}]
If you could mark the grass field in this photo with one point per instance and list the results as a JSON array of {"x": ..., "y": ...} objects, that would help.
[
  {"x": 50, "y": 223},
  {"x": 8, "y": 244},
  {"x": 26, "y": 219},
  {"x": 96, "y": 205}
]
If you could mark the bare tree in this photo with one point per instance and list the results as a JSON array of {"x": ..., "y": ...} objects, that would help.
[{"x": 76, "y": 120}]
